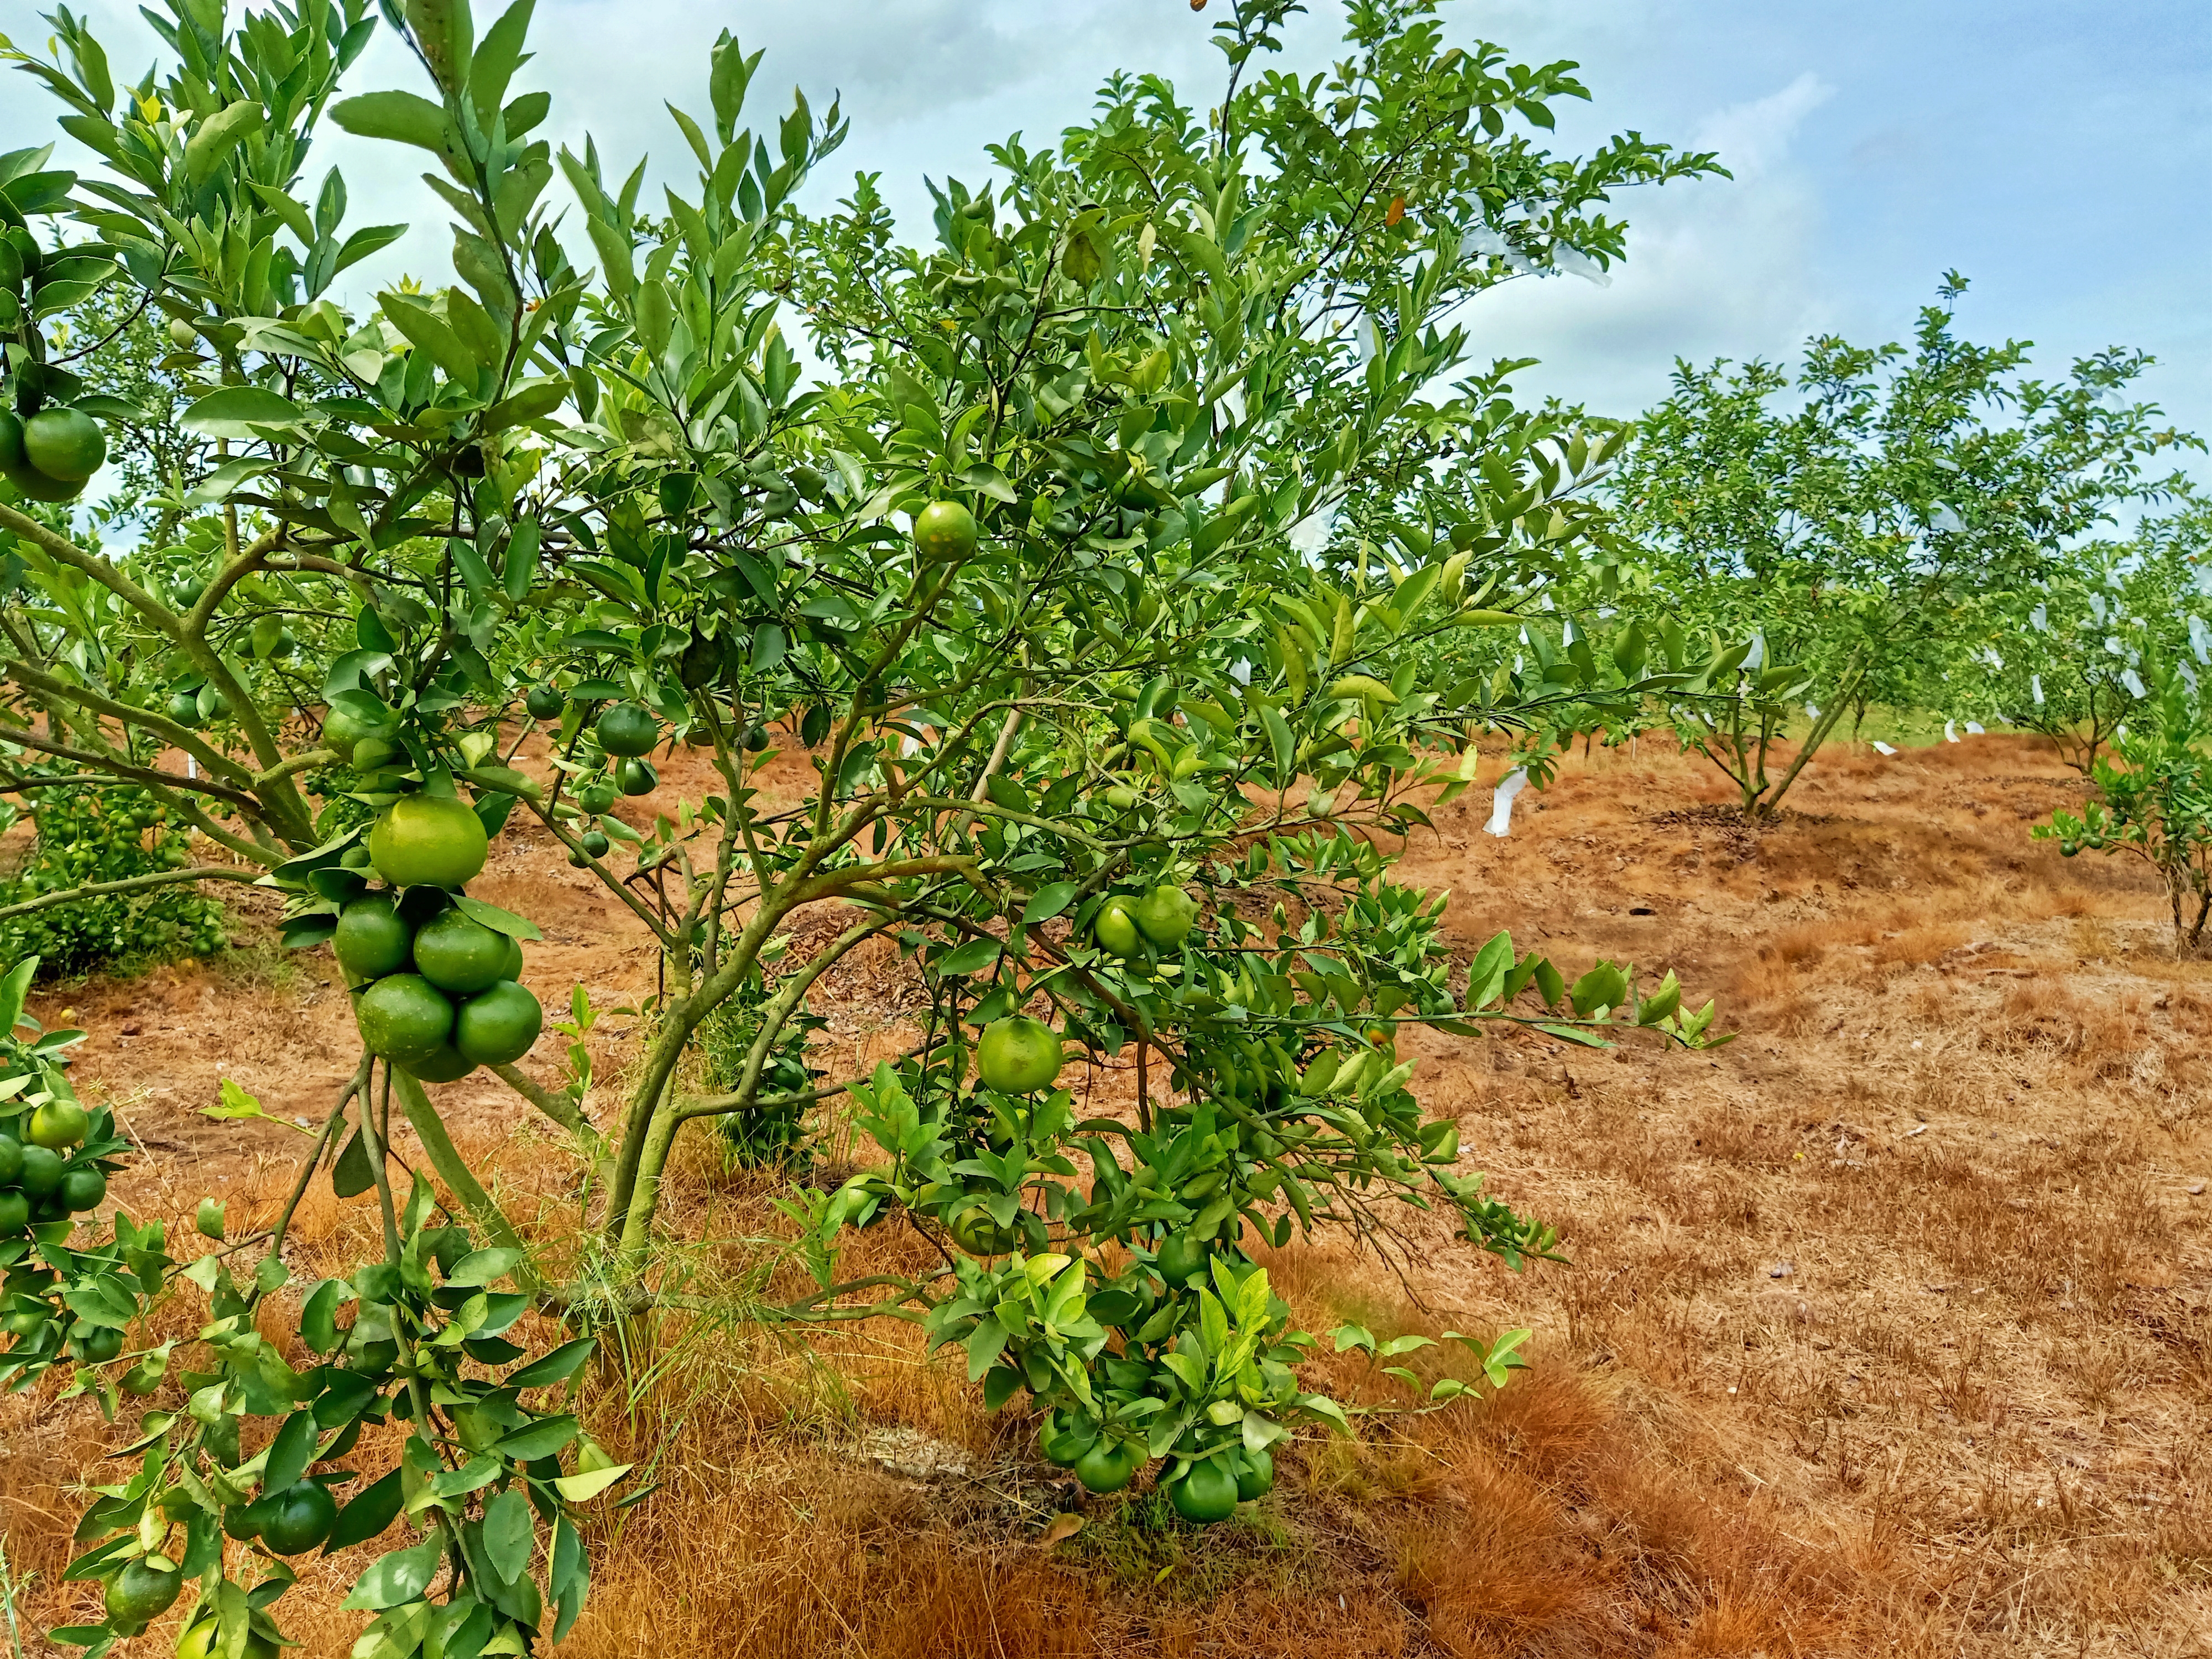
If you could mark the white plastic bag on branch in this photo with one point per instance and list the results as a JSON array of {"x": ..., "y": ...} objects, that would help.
[{"x": 1501, "y": 803}]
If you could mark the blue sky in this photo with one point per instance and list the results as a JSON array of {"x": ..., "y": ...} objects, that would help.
[{"x": 2058, "y": 154}]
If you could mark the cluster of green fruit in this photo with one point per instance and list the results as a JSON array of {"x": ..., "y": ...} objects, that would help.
[
  {"x": 1161, "y": 917},
  {"x": 41, "y": 1182},
  {"x": 1206, "y": 1487},
  {"x": 291, "y": 1521},
  {"x": 440, "y": 995},
  {"x": 627, "y": 734},
  {"x": 52, "y": 455},
  {"x": 48, "y": 454}
]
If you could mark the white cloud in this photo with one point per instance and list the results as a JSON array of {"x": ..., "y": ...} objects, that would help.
[{"x": 1714, "y": 268}]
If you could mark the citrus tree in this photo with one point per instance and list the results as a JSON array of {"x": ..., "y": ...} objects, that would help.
[
  {"x": 2152, "y": 796},
  {"x": 1859, "y": 518},
  {"x": 1013, "y": 581},
  {"x": 2068, "y": 660}
]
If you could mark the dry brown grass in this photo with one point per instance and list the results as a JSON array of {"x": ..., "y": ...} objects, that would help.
[{"x": 1889, "y": 1328}]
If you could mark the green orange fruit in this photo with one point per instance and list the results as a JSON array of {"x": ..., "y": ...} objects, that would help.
[
  {"x": 458, "y": 953},
  {"x": 448, "y": 1065},
  {"x": 975, "y": 1231},
  {"x": 58, "y": 1123},
  {"x": 428, "y": 841},
  {"x": 1205, "y": 1492},
  {"x": 1019, "y": 1055},
  {"x": 1181, "y": 1258},
  {"x": 64, "y": 443},
  {"x": 405, "y": 1019},
  {"x": 497, "y": 1027},
  {"x": 1066, "y": 1436},
  {"x": 299, "y": 1518},
  {"x": 14, "y": 1212},
  {"x": 344, "y": 733},
  {"x": 633, "y": 776},
  {"x": 1165, "y": 916},
  {"x": 373, "y": 939},
  {"x": 1115, "y": 928},
  {"x": 543, "y": 702},
  {"x": 11, "y": 1160},
  {"x": 944, "y": 530},
  {"x": 43, "y": 1168},
  {"x": 628, "y": 728},
  {"x": 144, "y": 1590},
  {"x": 1110, "y": 1465},
  {"x": 1256, "y": 1474},
  {"x": 82, "y": 1189}
]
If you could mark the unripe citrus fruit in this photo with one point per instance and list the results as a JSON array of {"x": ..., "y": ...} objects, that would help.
[
  {"x": 14, "y": 1212},
  {"x": 372, "y": 939},
  {"x": 1110, "y": 1465},
  {"x": 299, "y": 1517},
  {"x": 448, "y": 1065},
  {"x": 142, "y": 1592},
  {"x": 543, "y": 702},
  {"x": 458, "y": 953},
  {"x": 428, "y": 841},
  {"x": 1066, "y": 1436},
  {"x": 345, "y": 732},
  {"x": 1206, "y": 1493},
  {"x": 1115, "y": 928},
  {"x": 944, "y": 530},
  {"x": 1165, "y": 916},
  {"x": 82, "y": 1189},
  {"x": 510, "y": 963},
  {"x": 102, "y": 1345},
  {"x": 1256, "y": 1474},
  {"x": 58, "y": 1123},
  {"x": 64, "y": 443},
  {"x": 627, "y": 729},
  {"x": 633, "y": 776},
  {"x": 11, "y": 1160},
  {"x": 1019, "y": 1055},
  {"x": 497, "y": 1027},
  {"x": 405, "y": 1019},
  {"x": 1181, "y": 1258},
  {"x": 204, "y": 1638},
  {"x": 38, "y": 486},
  {"x": 975, "y": 1231}
]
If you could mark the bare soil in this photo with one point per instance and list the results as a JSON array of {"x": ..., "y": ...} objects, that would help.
[{"x": 1887, "y": 1328}]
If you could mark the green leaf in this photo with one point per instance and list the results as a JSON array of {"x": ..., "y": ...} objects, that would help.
[
  {"x": 972, "y": 957},
  {"x": 13, "y": 989},
  {"x": 290, "y": 1452},
  {"x": 397, "y": 1578},
  {"x": 427, "y": 332},
  {"x": 558, "y": 1366},
  {"x": 582, "y": 1488},
  {"x": 353, "y": 1175},
  {"x": 219, "y": 483},
  {"x": 402, "y": 117},
  {"x": 499, "y": 921},
  {"x": 508, "y": 1533},
  {"x": 530, "y": 400},
  {"x": 540, "y": 1439},
  {"x": 240, "y": 412},
  {"x": 216, "y": 137},
  {"x": 496, "y": 60},
  {"x": 485, "y": 1266},
  {"x": 1047, "y": 902}
]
